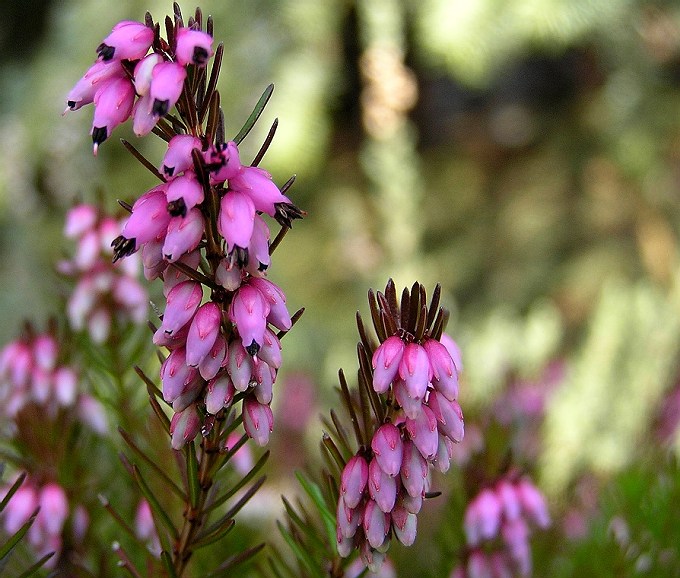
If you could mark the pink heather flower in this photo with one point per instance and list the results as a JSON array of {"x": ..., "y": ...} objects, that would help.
[
  {"x": 483, "y": 517},
  {"x": 516, "y": 537},
  {"x": 184, "y": 427},
  {"x": 239, "y": 365},
  {"x": 99, "y": 325},
  {"x": 45, "y": 351},
  {"x": 99, "y": 74},
  {"x": 443, "y": 368},
  {"x": 144, "y": 524},
  {"x": 248, "y": 311},
  {"x": 184, "y": 192},
  {"x": 183, "y": 301},
  {"x": 412, "y": 504},
  {"x": 264, "y": 377},
  {"x": 413, "y": 470},
  {"x": 376, "y": 524},
  {"x": 216, "y": 358},
  {"x": 388, "y": 448},
  {"x": 454, "y": 351},
  {"x": 348, "y": 519},
  {"x": 405, "y": 525},
  {"x": 415, "y": 370},
  {"x": 442, "y": 460},
  {"x": 149, "y": 218},
  {"x": 533, "y": 503},
  {"x": 184, "y": 235},
  {"x": 177, "y": 158},
  {"x": 152, "y": 259},
  {"x": 79, "y": 220},
  {"x": 193, "y": 47},
  {"x": 173, "y": 276},
  {"x": 20, "y": 507},
  {"x": 219, "y": 393},
  {"x": 235, "y": 221},
  {"x": 423, "y": 431},
  {"x": 479, "y": 565},
  {"x": 190, "y": 393},
  {"x": 176, "y": 375},
  {"x": 509, "y": 498},
  {"x": 223, "y": 161},
  {"x": 112, "y": 106},
  {"x": 92, "y": 413},
  {"x": 258, "y": 185},
  {"x": 411, "y": 407},
  {"x": 166, "y": 86},
  {"x": 270, "y": 352},
  {"x": 242, "y": 460},
  {"x": 258, "y": 420},
  {"x": 203, "y": 332},
  {"x": 128, "y": 293},
  {"x": 65, "y": 384},
  {"x": 144, "y": 73},
  {"x": 278, "y": 314},
  {"x": 53, "y": 508},
  {"x": 258, "y": 249},
  {"x": 386, "y": 360},
  {"x": 228, "y": 275},
  {"x": 382, "y": 487},
  {"x": 353, "y": 481},
  {"x": 143, "y": 119},
  {"x": 449, "y": 416},
  {"x": 128, "y": 41}
]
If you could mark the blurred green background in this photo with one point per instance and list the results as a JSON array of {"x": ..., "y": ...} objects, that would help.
[{"x": 524, "y": 154}]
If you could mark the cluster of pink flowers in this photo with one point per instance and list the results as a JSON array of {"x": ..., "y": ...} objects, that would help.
[
  {"x": 504, "y": 510},
  {"x": 208, "y": 204},
  {"x": 125, "y": 81},
  {"x": 104, "y": 291},
  {"x": 46, "y": 534},
  {"x": 382, "y": 488}
]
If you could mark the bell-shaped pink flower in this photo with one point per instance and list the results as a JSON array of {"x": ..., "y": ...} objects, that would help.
[
  {"x": 442, "y": 460},
  {"x": 184, "y": 427},
  {"x": 509, "y": 498},
  {"x": 178, "y": 158},
  {"x": 264, "y": 380},
  {"x": 189, "y": 394},
  {"x": 223, "y": 162},
  {"x": 482, "y": 517},
  {"x": 413, "y": 470},
  {"x": 152, "y": 258},
  {"x": 516, "y": 537},
  {"x": 239, "y": 365},
  {"x": 45, "y": 351},
  {"x": 258, "y": 420},
  {"x": 348, "y": 519},
  {"x": 386, "y": 360},
  {"x": 219, "y": 393},
  {"x": 228, "y": 275},
  {"x": 444, "y": 370},
  {"x": 411, "y": 503},
  {"x": 405, "y": 525},
  {"x": 99, "y": 325},
  {"x": 216, "y": 358},
  {"x": 184, "y": 192},
  {"x": 149, "y": 218},
  {"x": 193, "y": 47},
  {"x": 128, "y": 40},
  {"x": 65, "y": 383},
  {"x": 143, "y": 119},
  {"x": 53, "y": 508},
  {"x": 454, "y": 351},
  {"x": 258, "y": 249},
  {"x": 143, "y": 73},
  {"x": 203, "y": 332},
  {"x": 173, "y": 276},
  {"x": 278, "y": 314},
  {"x": 411, "y": 407},
  {"x": 376, "y": 524},
  {"x": 270, "y": 352},
  {"x": 388, "y": 448},
  {"x": 235, "y": 221},
  {"x": 112, "y": 106},
  {"x": 248, "y": 311},
  {"x": 96, "y": 77},
  {"x": 80, "y": 219},
  {"x": 423, "y": 431},
  {"x": 184, "y": 235},
  {"x": 176, "y": 374},
  {"x": 19, "y": 509},
  {"x": 166, "y": 86},
  {"x": 258, "y": 185},
  {"x": 382, "y": 487},
  {"x": 353, "y": 481},
  {"x": 449, "y": 416},
  {"x": 415, "y": 370},
  {"x": 533, "y": 503},
  {"x": 183, "y": 301}
]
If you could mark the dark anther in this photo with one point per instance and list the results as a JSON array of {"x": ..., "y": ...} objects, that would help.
[
  {"x": 169, "y": 171},
  {"x": 71, "y": 104},
  {"x": 240, "y": 256},
  {"x": 177, "y": 208},
  {"x": 123, "y": 247},
  {"x": 160, "y": 107},
  {"x": 286, "y": 212},
  {"x": 262, "y": 267},
  {"x": 99, "y": 134},
  {"x": 200, "y": 56},
  {"x": 253, "y": 348},
  {"x": 105, "y": 51}
]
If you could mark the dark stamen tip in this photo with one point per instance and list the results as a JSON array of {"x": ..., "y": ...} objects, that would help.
[{"x": 253, "y": 348}]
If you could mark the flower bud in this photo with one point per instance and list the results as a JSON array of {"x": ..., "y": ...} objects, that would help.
[
  {"x": 404, "y": 524},
  {"x": 423, "y": 431},
  {"x": 235, "y": 221},
  {"x": 270, "y": 352},
  {"x": 382, "y": 487},
  {"x": 53, "y": 508},
  {"x": 412, "y": 407},
  {"x": 386, "y": 360},
  {"x": 228, "y": 275},
  {"x": 376, "y": 524},
  {"x": 509, "y": 499},
  {"x": 533, "y": 503},
  {"x": 248, "y": 311},
  {"x": 96, "y": 76},
  {"x": 216, "y": 358},
  {"x": 79, "y": 220},
  {"x": 482, "y": 517},
  {"x": 258, "y": 420},
  {"x": 65, "y": 386},
  {"x": 449, "y": 416},
  {"x": 278, "y": 314},
  {"x": 45, "y": 350},
  {"x": 173, "y": 276},
  {"x": 353, "y": 481},
  {"x": 184, "y": 427},
  {"x": 166, "y": 86},
  {"x": 258, "y": 185},
  {"x": 193, "y": 47},
  {"x": 178, "y": 158},
  {"x": 184, "y": 235},
  {"x": 203, "y": 332},
  {"x": 388, "y": 448},
  {"x": 143, "y": 119},
  {"x": 415, "y": 370},
  {"x": 443, "y": 368},
  {"x": 183, "y": 301},
  {"x": 413, "y": 470},
  {"x": 348, "y": 519},
  {"x": 19, "y": 509},
  {"x": 239, "y": 365},
  {"x": 258, "y": 249},
  {"x": 176, "y": 374},
  {"x": 128, "y": 40},
  {"x": 149, "y": 218},
  {"x": 112, "y": 106},
  {"x": 144, "y": 73},
  {"x": 219, "y": 393}
]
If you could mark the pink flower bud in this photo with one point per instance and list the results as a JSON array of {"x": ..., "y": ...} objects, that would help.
[
  {"x": 533, "y": 503},
  {"x": 371, "y": 558},
  {"x": 482, "y": 517},
  {"x": 516, "y": 537},
  {"x": 386, "y": 360},
  {"x": 388, "y": 448},
  {"x": 239, "y": 365},
  {"x": 442, "y": 460},
  {"x": 248, "y": 311},
  {"x": 415, "y": 370},
  {"x": 278, "y": 312},
  {"x": 92, "y": 413},
  {"x": 183, "y": 301},
  {"x": 143, "y": 119},
  {"x": 353, "y": 481},
  {"x": 479, "y": 565},
  {"x": 270, "y": 352},
  {"x": 382, "y": 487},
  {"x": 87, "y": 251},
  {"x": 189, "y": 394},
  {"x": 203, "y": 332},
  {"x": 128, "y": 41},
  {"x": 412, "y": 407},
  {"x": 413, "y": 470},
  {"x": 211, "y": 363},
  {"x": 219, "y": 393},
  {"x": 79, "y": 220},
  {"x": 112, "y": 106},
  {"x": 223, "y": 162},
  {"x": 184, "y": 192},
  {"x": 258, "y": 420},
  {"x": 453, "y": 350},
  {"x": 128, "y": 293},
  {"x": 166, "y": 86},
  {"x": 376, "y": 524},
  {"x": 405, "y": 525},
  {"x": 443, "y": 368},
  {"x": 176, "y": 374},
  {"x": 449, "y": 416},
  {"x": 345, "y": 545},
  {"x": 423, "y": 432},
  {"x": 20, "y": 507},
  {"x": 243, "y": 458},
  {"x": 264, "y": 377},
  {"x": 235, "y": 221},
  {"x": 412, "y": 504},
  {"x": 193, "y": 47},
  {"x": 45, "y": 350},
  {"x": 152, "y": 259},
  {"x": 173, "y": 276},
  {"x": 258, "y": 249},
  {"x": 144, "y": 524},
  {"x": 258, "y": 185},
  {"x": 65, "y": 386},
  {"x": 149, "y": 218},
  {"x": 99, "y": 325},
  {"x": 178, "y": 158},
  {"x": 40, "y": 385},
  {"x": 509, "y": 499},
  {"x": 184, "y": 427},
  {"x": 184, "y": 235},
  {"x": 53, "y": 508},
  {"x": 228, "y": 275},
  {"x": 96, "y": 76},
  {"x": 348, "y": 519},
  {"x": 144, "y": 73}
]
